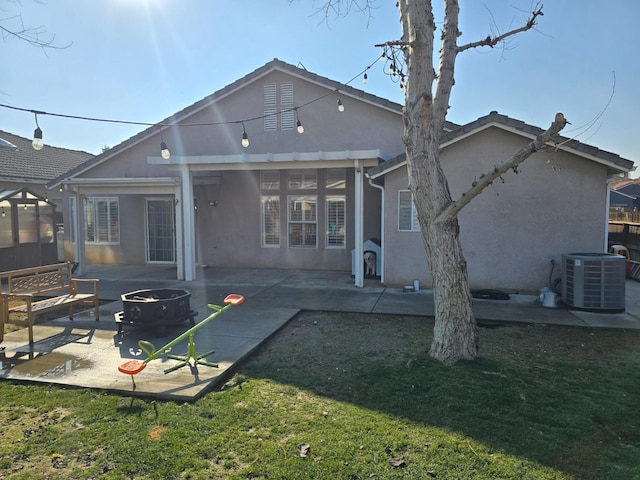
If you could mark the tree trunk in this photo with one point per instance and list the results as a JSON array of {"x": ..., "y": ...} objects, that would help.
[
  {"x": 455, "y": 332},
  {"x": 455, "y": 335}
]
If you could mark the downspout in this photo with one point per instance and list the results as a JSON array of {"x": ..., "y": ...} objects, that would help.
[
  {"x": 610, "y": 181},
  {"x": 382, "y": 244},
  {"x": 359, "y": 270}
]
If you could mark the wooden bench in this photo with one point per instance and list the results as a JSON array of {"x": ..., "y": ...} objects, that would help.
[{"x": 31, "y": 291}]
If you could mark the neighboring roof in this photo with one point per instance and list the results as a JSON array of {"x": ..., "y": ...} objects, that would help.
[
  {"x": 21, "y": 163},
  {"x": 494, "y": 119},
  {"x": 629, "y": 188},
  {"x": 618, "y": 199},
  {"x": 274, "y": 65}
]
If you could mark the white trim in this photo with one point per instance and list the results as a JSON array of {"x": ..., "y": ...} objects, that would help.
[{"x": 246, "y": 159}]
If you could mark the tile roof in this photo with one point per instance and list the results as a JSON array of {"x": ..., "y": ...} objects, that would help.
[
  {"x": 504, "y": 121},
  {"x": 23, "y": 163}
]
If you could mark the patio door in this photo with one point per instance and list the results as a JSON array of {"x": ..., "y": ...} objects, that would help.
[{"x": 161, "y": 231}]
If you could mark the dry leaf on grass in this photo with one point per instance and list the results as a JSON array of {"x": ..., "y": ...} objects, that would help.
[{"x": 303, "y": 450}]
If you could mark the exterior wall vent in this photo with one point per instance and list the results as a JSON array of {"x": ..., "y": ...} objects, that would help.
[{"x": 594, "y": 281}]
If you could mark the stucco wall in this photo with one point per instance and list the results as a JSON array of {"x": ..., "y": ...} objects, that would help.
[
  {"x": 229, "y": 232},
  {"x": 512, "y": 231}
]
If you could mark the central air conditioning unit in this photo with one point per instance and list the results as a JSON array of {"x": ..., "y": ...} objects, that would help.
[{"x": 594, "y": 281}]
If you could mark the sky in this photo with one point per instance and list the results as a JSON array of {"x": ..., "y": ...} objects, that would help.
[{"x": 143, "y": 60}]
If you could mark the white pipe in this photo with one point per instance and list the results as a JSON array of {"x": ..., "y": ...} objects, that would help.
[{"x": 359, "y": 270}]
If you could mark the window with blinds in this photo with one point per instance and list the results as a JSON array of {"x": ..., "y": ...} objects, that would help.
[
  {"x": 101, "y": 220},
  {"x": 335, "y": 237},
  {"x": 303, "y": 221},
  {"x": 407, "y": 214},
  {"x": 335, "y": 178},
  {"x": 270, "y": 221},
  {"x": 270, "y": 180},
  {"x": 303, "y": 179}
]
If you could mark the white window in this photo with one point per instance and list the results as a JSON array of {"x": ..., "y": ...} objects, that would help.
[
  {"x": 335, "y": 237},
  {"x": 407, "y": 215},
  {"x": 101, "y": 220},
  {"x": 270, "y": 221},
  {"x": 270, "y": 180},
  {"x": 335, "y": 178},
  {"x": 303, "y": 179},
  {"x": 303, "y": 221}
]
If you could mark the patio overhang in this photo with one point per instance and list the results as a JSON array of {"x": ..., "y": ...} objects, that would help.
[{"x": 273, "y": 161}]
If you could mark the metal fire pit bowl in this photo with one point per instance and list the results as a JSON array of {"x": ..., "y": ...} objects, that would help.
[{"x": 158, "y": 307}]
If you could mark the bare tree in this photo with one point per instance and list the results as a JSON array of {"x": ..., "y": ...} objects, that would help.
[
  {"x": 13, "y": 26},
  {"x": 427, "y": 95}
]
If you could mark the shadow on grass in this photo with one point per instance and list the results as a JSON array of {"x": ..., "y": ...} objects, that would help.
[{"x": 567, "y": 398}]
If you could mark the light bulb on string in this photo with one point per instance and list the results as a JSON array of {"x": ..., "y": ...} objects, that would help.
[
  {"x": 340, "y": 106},
  {"x": 37, "y": 142},
  {"x": 299, "y": 126},
  {"x": 365, "y": 78},
  {"x": 4, "y": 214},
  {"x": 245, "y": 138},
  {"x": 164, "y": 151}
]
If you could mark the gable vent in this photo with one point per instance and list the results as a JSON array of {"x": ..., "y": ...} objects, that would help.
[
  {"x": 270, "y": 107},
  {"x": 287, "y": 117}
]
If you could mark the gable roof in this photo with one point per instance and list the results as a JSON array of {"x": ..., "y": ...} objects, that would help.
[
  {"x": 631, "y": 187},
  {"x": 274, "y": 65},
  {"x": 19, "y": 162},
  {"x": 494, "y": 119}
]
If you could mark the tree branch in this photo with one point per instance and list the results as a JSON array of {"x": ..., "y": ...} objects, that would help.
[
  {"x": 31, "y": 35},
  {"x": 487, "y": 179},
  {"x": 492, "y": 41},
  {"x": 448, "y": 53}
]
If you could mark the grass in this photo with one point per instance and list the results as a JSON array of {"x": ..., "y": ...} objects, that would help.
[{"x": 359, "y": 392}]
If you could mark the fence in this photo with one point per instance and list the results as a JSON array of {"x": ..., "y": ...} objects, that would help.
[{"x": 626, "y": 233}]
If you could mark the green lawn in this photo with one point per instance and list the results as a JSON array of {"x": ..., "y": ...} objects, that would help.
[{"x": 353, "y": 396}]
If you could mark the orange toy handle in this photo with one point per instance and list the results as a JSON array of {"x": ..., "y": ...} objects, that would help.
[{"x": 233, "y": 299}]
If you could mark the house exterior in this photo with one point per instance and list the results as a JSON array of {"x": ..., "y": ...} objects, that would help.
[
  {"x": 313, "y": 200},
  {"x": 288, "y": 200},
  {"x": 556, "y": 203}
]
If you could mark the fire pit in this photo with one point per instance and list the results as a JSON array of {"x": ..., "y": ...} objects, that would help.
[{"x": 155, "y": 308}]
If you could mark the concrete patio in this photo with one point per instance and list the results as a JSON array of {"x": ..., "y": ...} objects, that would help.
[{"x": 86, "y": 353}]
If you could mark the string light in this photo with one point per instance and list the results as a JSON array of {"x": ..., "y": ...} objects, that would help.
[
  {"x": 37, "y": 143},
  {"x": 393, "y": 56},
  {"x": 299, "y": 126},
  {"x": 365, "y": 79},
  {"x": 245, "y": 138},
  {"x": 164, "y": 150},
  {"x": 4, "y": 214}
]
